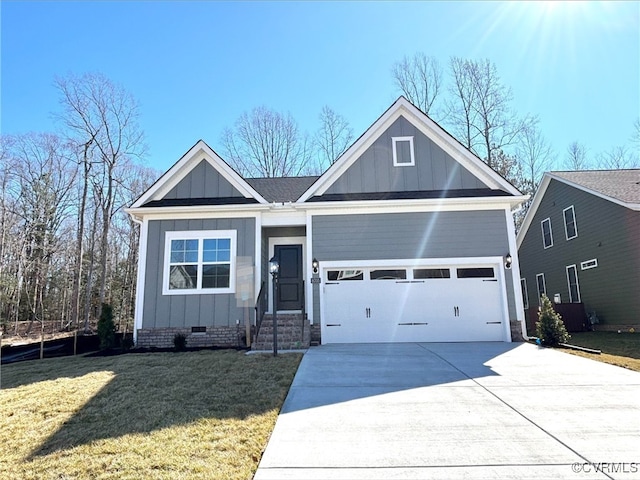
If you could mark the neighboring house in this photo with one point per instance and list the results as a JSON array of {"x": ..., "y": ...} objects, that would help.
[
  {"x": 580, "y": 240},
  {"x": 413, "y": 236}
]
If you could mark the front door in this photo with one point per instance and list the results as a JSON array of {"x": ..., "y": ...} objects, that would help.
[{"x": 290, "y": 295}]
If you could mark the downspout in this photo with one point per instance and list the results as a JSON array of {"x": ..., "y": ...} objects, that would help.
[{"x": 143, "y": 237}]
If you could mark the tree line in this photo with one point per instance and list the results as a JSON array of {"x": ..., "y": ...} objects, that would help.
[{"x": 67, "y": 247}]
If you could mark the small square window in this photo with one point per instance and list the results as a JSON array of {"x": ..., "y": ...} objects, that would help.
[{"x": 403, "y": 155}]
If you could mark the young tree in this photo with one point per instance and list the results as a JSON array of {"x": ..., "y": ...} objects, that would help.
[
  {"x": 576, "y": 157},
  {"x": 617, "y": 158},
  {"x": 266, "y": 143},
  {"x": 332, "y": 138},
  {"x": 419, "y": 79},
  {"x": 535, "y": 155},
  {"x": 461, "y": 113}
]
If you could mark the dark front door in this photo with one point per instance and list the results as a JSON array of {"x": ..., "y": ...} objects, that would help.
[{"x": 290, "y": 284}]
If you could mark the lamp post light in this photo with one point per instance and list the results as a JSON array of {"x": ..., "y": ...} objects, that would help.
[
  {"x": 508, "y": 259},
  {"x": 274, "y": 270}
]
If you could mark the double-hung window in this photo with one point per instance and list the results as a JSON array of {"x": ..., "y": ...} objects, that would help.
[
  {"x": 570, "y": 228},
  {"x": 199, "y": 262},
  {"x": 542, "y": 286},
  {"x": 547, "y": 235},
  {"x": 572, "y": 283}
]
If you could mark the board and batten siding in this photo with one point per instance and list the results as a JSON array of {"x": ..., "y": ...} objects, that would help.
[
  {"x": 434, "y": 169},
  {"x": 203, "y": 181},
  {"x": 162, "y": 311},
  {"x": 422, "y": 235},
  {"x": 607, "y": 232}
]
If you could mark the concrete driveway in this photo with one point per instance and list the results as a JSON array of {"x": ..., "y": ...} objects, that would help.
[{"x": 455, "y": 410}]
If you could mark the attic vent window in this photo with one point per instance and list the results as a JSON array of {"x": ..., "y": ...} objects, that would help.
[{"x": 403, "y": 155}]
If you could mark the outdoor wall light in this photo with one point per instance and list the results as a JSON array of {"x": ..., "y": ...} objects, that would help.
[
  {"x": 314, "y": 265},
  {"x": 507, "y": 261},
  {"x": 274, "y": 266}
]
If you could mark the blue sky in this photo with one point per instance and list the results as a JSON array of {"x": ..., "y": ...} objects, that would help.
[{"x": 196, "y": 67}]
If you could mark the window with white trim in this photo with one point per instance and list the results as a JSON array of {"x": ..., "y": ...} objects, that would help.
[
  {"x": 199, "y": 262},
  {"x": 570, "y": 227},
  {"x": 572, "y": 282},
  {"x": 587, "y": 264},
  {"x": 403, "y": 155},
  {"x": 525, "y": 294},
  {"x": 547, "y": 235},
  {"x": 542, "y": 286}
]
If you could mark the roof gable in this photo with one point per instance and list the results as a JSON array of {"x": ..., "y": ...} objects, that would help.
[
  {"x": 199, "y": 170},
  {"x": 621, "y": 187},
  {"x": 443, "y": 162}
]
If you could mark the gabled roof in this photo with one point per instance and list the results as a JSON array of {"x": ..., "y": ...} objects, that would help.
[
  {"x": 402, "y": 107},
  {"x": 617, "y": 186},
  {"x": 620, "y": 186},
  {"x": 182, "y": 168},
  {"x": 282, "y": 189}
]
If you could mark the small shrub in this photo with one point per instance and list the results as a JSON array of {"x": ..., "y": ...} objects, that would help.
[
  {"x": 127, "y": 342},
  {"x": 106, "y": 327},
  {"x": 550, "y": 328},
  {"x": 179, "y": 342}
]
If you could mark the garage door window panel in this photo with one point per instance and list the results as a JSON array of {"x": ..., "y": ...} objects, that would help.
[
  {"x": 388, "y": 275},
  {"x": 344, "y": 275},
  {"x": 475, "y": 272},
  {"x": 428, "y": 273}
]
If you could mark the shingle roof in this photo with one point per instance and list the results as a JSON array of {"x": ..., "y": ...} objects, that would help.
[
  {"x": 622, "y": 185},
  {"x": 283, "y": 189}
]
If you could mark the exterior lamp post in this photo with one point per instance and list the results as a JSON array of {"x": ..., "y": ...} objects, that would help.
[{"x": 274, "y": 270}]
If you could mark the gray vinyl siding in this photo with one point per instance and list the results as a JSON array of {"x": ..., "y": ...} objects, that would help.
[
  {"x": 607, "y": 232},
  {"x": 191, "y": 310},
  {"x": 434, "y": 169},
  {"x": 424, "y": 235},
  {"x": 203, "y": 181}
]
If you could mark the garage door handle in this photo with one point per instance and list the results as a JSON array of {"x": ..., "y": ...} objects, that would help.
[
  {"x": 414, "y": 323},
  {"x": 493, "y": 323},
  {"x": 334, "y": 324},
  {"x": 332, "y": 283},
  {"x": 490, "y": 280}
]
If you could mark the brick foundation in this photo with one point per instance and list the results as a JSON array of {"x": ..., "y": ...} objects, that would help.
[
  {"x": 315, "y": 334},
  {"x": 516, "y": 331},
  {"x": 213, "y": 337}
]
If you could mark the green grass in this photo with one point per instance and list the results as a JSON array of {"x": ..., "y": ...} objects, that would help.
[
  {"x": 191, "y": 415},
  {"x": 622, "y": 349}
]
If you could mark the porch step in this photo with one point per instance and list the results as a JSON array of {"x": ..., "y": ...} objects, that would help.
[{"x": 294, "y": 332}]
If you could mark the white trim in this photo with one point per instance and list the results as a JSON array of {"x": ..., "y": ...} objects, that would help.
[
  {"x": 589, "y": 264},
  {"x": 548, "y": 219},
  {"x": 402, "y": 107},
  {"x": 273, "y": 241},
  {"x": 544, "y": 284},
  {"x": 575, "y": 269},
  {"x": 200, "y": 151},
  {"x": 141, "y": 278},
  {"x": 199, "y": 235},
  {"x": 515, "y": 276},
  {"x": 308, "y": 285},
  {"x": 575, "y": 225},
  {"x": 394, "y": 143},
  {"x": 257, "y": 262}
]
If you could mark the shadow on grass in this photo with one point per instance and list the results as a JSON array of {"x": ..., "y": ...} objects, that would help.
[{"x": 155, "y": 391}]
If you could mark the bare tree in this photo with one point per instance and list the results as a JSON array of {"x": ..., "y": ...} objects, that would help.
[
  {"x": 480, "y": 110},
  {"x": 535, "y": 155},
  {"x": 419, "y": 79},
  {"x": 332, "y": 138},
  {"x": 266, "y": 143},
  {"x": 576, "y": 157},
  {"x": 617, "y": 158},
  {"x": 102, "y": 118},
  {"x": 461, "y": 113}
]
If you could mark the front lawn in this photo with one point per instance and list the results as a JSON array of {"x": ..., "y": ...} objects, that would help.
[
  {"x": 622, "y": 349},
  {"x": 190, "y": 415}
]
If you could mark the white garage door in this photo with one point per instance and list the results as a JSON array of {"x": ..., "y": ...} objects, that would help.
[{"x": 412, "y": 304}]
